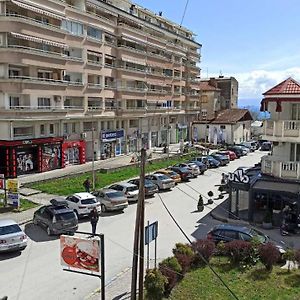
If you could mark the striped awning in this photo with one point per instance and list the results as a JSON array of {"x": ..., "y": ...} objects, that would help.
[
  {"x": 134, "y": 60},
  {"x": 38, "y": 40},
  {"x": 40, "y": 9},
  {"x": 130, "y": 38}
]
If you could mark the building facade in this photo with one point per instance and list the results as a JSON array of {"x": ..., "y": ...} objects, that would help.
[{"x": 91, "y": 78}]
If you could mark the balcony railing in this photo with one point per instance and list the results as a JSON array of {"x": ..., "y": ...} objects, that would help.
[
  {"x": 280, "y": 168},
  {"x": 282, "y": 128},
  {"x": 31, "y": 108},
  {"x": 39, "y": 79}
]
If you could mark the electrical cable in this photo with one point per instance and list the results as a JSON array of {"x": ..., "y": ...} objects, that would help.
[
  {"x": 184, "y": 11},
  {"x": 201, "y": 256}
]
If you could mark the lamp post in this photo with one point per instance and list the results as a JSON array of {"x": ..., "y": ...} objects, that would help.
[{"x": 93, "y": 153}]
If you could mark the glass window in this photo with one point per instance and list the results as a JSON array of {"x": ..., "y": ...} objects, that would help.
[
  {"x": 65, "y": 216},
  {"x": 230, "y": 234},
  {"x": 43, "y": 102},
  {"x": 42, "y": 129},
  {"x": 9, "y": 229},
  {"x": 88, "y": 201},
  {"x": 23, "y": 131},
  {"x": 244, "y": 237},
  {"x": 51, "y": 128},
  {"x": 94, "y": 33},
  {"x": 72, "y": 27}
]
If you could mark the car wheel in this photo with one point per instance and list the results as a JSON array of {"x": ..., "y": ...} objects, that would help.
[
  {"x": 103, "y": 208},
  {"x": 49, "y": 232},
  {"x": 76, "y": 213},
  {"x": 34, "y": 221}
]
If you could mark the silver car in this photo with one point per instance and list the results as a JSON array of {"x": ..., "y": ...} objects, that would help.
[
  {"x": 162, "y": 181},
  {"x": 12, "y": 237},
  {"x": 195, "y": 170},
  {"x": 111, "y": 199},
  {"x": 130, "y": 190}
]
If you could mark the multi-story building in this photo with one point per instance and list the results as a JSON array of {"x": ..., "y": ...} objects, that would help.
[{"x": 90, "y": 78}]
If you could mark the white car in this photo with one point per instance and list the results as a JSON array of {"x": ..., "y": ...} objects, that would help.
[
  {"x": 195, "y": 170},
  {"x": 131, "y": 191},
  {"x": 83, "y": 203},
  {"x": 12, "y": 237}
]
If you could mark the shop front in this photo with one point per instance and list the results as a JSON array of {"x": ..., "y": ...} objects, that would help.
[
  {"x": 30, "y": 156},
  {"x": 73, "y": 153},
  {"x": 112, "y": 143},
  {"x": 181, "y": 133},
  {"x": 154, "y": 139},
  {"x": 145, "y": 140}
]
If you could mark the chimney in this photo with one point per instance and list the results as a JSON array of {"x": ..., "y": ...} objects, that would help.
[{"x": 212, "y": 81}]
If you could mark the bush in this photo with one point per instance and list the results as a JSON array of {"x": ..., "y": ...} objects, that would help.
[
  {"x": 171, "y": 269},
  {"x": 203, "y": 249},
  {"x": 269, "y": 255},
  {"x": 297, "y": 256},
  {"x": 185, "y": 255},
  {"x": 155, "y": 284},
  {"x": 239, "y": 252},
  {"x": 290, "y": 256}
]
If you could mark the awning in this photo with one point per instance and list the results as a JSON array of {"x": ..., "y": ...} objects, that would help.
[
  {"x": 276, "y": 186},
  {"x": 41, "y": 9},
  {"x": 155, "y": 64},
  {"x": 38, "y": 40},
  {"x": 156, "y": 82},
  {"x": 129, "y": 38},
  {"x": 96, "y": 6},
  {"x": 134, "y": 60}
]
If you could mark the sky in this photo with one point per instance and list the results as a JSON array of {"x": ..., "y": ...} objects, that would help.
[{"x": 257, "y": 41}]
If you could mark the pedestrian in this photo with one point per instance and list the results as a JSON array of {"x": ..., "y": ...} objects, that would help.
[
  {"x": 94, "y": 217},
  {"x": 200, "y": 205},
  {"x": 87, "y": 185}
]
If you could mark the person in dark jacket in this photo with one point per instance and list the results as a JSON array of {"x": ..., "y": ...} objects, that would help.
[
  {"x": 87, "y": 185},
  {"x": 94, "y": 217}
]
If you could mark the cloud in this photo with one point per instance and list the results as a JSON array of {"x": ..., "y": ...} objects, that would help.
[{"x": 254, "y": 83}]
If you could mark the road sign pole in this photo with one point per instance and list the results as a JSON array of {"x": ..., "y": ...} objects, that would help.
[
  {"x": 148, "y": 249},
  {"x": 155, "y": 251}
]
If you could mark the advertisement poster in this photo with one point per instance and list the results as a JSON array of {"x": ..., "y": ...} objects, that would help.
[
  {"x": 25, "y": 161},
  {"x": 80, "y": 253},
  {"x": 72, "y": 155},
  {"x": 13, "y": 197},
  {"x": 51, "y": 157}
]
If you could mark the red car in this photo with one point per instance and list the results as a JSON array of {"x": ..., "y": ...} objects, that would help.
[{"x": 230, "y": 154}]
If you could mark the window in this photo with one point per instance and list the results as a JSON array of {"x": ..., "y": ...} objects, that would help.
[
  {"x": 23, "y": 131},
  {"x": 204, "y": 99},
  {"x": 73, "y": 127},
  {"x": 43, "y": 102},
  {"x": 44, "y": 74},
  {"x": 14, "y": 101},
  {"x": 230, "y": 234},
  {"x": 65, "y": 129},
  {"x": 14, "y": 73},
  {"x": 222, "y": 126},
  {"x": 42, "y": 129},
  {"x": 72, "y": 27},
  {"x": 43, "y": 20},
  {"x": 51, "y": 128},
  {"x": 244, "y": 237},
  {"x": 94, "y": 33}
]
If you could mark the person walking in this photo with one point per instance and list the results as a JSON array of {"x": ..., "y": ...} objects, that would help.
[
  {"x": 94, "y": 217},
  {"x": 87, "y": 185},
  {"x": 200, "y": 205}
]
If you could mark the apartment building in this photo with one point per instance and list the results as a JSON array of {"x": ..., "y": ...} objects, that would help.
[{"x": 84, "y": 78}]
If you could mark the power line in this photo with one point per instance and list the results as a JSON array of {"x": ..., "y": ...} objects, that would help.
[
  {"x": 184, "y": 11},
  {"x": 201, "y": 256}
]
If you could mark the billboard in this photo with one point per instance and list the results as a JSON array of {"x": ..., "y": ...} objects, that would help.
[
  {"x": 51, "y": 157},
  {"x": 80, "y": 253},
  {"x": 12, "y": 187}
]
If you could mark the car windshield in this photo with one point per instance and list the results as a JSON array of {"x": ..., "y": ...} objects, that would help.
[
  {"x": 172, "y": 173},
  {"x": 9, "y": 229},
  {"x": 162, "y": 177},
  {"x": 132, "y": 188},
  {"x": 65, "y": 216},
  {"x": 260, "y": 236},
  {"x": 114, "y": 195},
  {"x": 88, "y": 201},
  {"x": 148, "y": 182}
]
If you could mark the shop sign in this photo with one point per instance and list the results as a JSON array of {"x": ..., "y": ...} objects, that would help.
[
  {"x": 107, "y": 136},
  {"x": 13, "y": 199},
  {"x": 238, "y": 176},
  {"x": 12, "y": 185},
  {"x": 27, "y": 142},
  {"x": 151, "y": 232},
  {"x": 80, "y": 253}
]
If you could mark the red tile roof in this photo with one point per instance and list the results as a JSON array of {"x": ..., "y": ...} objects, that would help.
[
  {"x": 232, "y": 116},
  {"x": 288, "y": 86},
  {"x": 205, "y": 86}
]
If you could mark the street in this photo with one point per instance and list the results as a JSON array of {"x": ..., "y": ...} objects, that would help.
[{"x": 36, "y": 272}]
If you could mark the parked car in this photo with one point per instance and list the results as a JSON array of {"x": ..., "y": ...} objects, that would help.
[
  {"x": 111, "y": 199},
  {"x": 229, "y": 232},
  {"x": 230, "y": 154},
  {"x": 224, "y": 160},
  {"x": 237, "y": 150},
  {"x": 162, "y": 181},
  {"x": 83, "y": 203},
  {"x": 191, "y": 167},
  {"x": 202, "y": 167},
  {"x": 212, "y": 162},
  {"x": 12, "y": 237},
  {"x": 184, "y": 173},
  {"x": 245, "y": 149},
  {"x": 130, "y": 190},
  {"x": 172, "y": 174},
  {"x": 150, "y": 188},
  {"x": 266, "y": 146},
  {"x": 56, "y": 218},
  {"x": 202, "y": 159},
  {"x": 250, "y": 144}
]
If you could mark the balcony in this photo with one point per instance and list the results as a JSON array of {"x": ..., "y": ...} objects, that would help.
[
  {"x": 270, "y": 165},
  {"x": 282, "y": 130}
]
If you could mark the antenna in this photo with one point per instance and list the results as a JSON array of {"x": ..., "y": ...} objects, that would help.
[{"x": 221, "y": 73}]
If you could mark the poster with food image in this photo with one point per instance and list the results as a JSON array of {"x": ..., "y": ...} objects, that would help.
[{"x": 80, "y": 253}]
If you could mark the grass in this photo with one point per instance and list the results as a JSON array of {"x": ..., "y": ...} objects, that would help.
[
  {"x": 74, "y": 184},
  {"x": 251, "y": 284},
  {"x": 24, "y": 205}
]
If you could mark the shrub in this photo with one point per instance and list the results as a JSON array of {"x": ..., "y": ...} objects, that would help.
[
  {"x": 155, "y": 284},
  {"x": 239, "y": 252},
  {"x": 184, "y": 254},
  {"x": 171, "y": 269},
  {"x": 203, "y": 249},
  {"x": 269, "y": 255},
  {"x": 297, "y": 256},
  {"x": 290, "y": 256}
]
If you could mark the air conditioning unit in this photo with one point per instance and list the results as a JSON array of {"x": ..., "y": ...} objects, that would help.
[{"x": 83, "y": 135}]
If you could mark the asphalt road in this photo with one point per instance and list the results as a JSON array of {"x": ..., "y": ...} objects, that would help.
[{"x": 36, "y": 272}]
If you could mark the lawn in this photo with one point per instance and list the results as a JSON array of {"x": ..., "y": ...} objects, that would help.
[
  {"x": 251, "y": 284},
  {"x": 24, "y": 205},
  {"x": 74, "y": 184}
]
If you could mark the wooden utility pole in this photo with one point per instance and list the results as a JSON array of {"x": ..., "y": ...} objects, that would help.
[{"x": 138, "y": 244}]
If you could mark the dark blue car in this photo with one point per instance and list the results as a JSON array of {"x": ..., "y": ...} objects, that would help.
[
  {"x": 212, "y": 163},
  {"x": 200, "y": 164}
]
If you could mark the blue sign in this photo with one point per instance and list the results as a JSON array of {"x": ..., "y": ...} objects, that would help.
[
  {"x": 107, "y": 136},
  {"x": 151, "y": 232}
]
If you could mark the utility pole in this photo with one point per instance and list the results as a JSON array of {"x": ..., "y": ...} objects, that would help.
[
  {"x": 93, "y": 154},
  {"x": 138, "y": 244}
]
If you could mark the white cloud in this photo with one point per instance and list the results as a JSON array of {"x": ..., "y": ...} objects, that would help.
[{"x": 254, "y": 83}]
